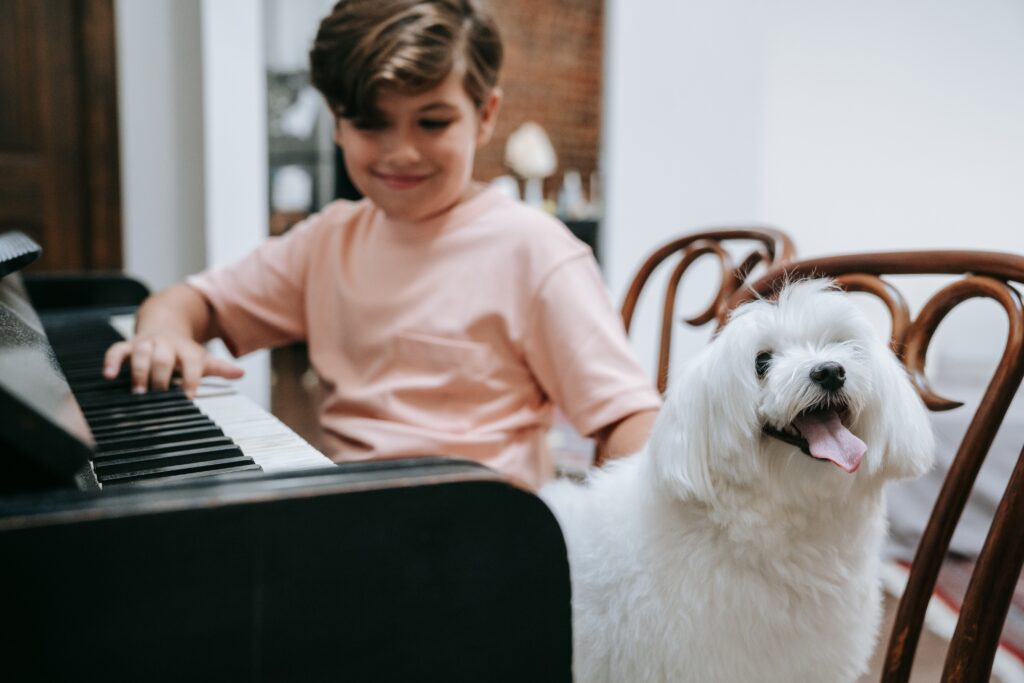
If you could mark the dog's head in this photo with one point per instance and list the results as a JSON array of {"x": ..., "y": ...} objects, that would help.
[{"x": 801, "y": 392}]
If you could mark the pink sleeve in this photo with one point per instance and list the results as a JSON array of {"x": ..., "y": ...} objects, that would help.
[
  {"x": 578, "y": 350},
  {"x": 259, "y": 301}
]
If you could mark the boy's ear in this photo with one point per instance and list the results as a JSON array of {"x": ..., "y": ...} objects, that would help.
[
  {"x": 337, "y": 128},
  {"x": 488, "y": 117}
]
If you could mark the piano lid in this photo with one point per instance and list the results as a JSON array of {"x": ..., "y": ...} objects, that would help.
[{"x": 41, "y": 426}]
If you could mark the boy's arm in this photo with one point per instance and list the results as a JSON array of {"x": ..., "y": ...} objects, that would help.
[
  {"x": 624, "y": 437},
  {"x": 170, "y": 328}
]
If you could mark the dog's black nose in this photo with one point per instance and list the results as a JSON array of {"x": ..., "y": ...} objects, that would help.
[{"x": 829, "y": 376}]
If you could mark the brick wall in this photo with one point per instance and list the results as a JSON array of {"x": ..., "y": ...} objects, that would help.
[{"x": 552, "y": 75}]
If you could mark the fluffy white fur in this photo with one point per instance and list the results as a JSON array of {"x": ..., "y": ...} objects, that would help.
[{"x": 722, "y": 554}]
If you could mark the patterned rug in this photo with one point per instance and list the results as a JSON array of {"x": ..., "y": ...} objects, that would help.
[{"x": 941, "y": 616}]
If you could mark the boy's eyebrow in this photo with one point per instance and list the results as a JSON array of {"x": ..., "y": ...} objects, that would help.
[{"x": 435, "y": 106}]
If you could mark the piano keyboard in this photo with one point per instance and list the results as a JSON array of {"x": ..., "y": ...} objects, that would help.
[
  {"x": 163, "y": 435},
  {"x": 260, "y": 435}
]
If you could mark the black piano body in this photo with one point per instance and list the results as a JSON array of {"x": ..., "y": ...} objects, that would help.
[{"x": 405, "y": 570}]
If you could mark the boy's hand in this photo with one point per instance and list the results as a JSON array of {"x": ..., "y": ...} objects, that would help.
[{"x": 155, "y": 358}]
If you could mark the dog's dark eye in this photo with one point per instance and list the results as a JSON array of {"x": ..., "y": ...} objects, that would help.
[{"x": 762, "y": 362}]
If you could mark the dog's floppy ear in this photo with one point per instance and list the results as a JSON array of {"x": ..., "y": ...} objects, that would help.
[
  {"x": 706, "y": 420},
  {"x": 898, "y": 432},
  {"x": 679, "y": 445}
]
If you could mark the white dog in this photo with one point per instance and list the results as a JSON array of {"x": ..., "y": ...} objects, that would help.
[{"x": 744, "y": 543}]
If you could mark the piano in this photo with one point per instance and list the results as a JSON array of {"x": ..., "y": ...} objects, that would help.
[{"x": 157, "y": 538}]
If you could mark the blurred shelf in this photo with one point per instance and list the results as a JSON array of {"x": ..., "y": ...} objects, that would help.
[
  {"x": 282, "y": 221},
  {"x": 586, "y": 230}
]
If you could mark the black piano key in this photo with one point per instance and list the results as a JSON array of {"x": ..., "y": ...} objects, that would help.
[
  {"x": 172, "y": 471},
  {"x": 150, "y": 462},
  {"x": 142, "y": 416},
  {"x": 74, "y": 366},
  {"x": 82, "y": 356},
  {"x": 134, "y": 410},
  {"x": 153, "y": 437},
  {"x": 157, "y": 437},
  {"x": 114, "y": 426},
  {"x": 96, "y": 382},
  {"x": 102, "y": 434},
  {"x": 92, "y": 372},
  {"x": 119, "y": 395},
  {"x": 100, "y": 400},
  {"x": 83, "y": 335},
  {"x": 211, "y": 442},
  {"x": 143, "y": 409}
]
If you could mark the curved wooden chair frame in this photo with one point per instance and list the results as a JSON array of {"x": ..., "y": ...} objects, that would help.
[
  {"x": 773, "y": 247},
  {"x": 984, "y": 274}
]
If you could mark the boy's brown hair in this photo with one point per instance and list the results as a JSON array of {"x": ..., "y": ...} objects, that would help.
[{"x": 408, "y": 45}]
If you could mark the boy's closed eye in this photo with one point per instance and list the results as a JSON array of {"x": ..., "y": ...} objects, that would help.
[
  {"x": 431, "y": 124},
  {"x": 435, "y": 124},
  {"x": 369, "y": 124}
]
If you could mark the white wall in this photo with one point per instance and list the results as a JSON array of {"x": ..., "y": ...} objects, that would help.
[
  {"x": 895, "y": 124},
  {"x": 235, "y": 150},
  {"x": 290, "y": 28},
  {"x": 680, "y": 121},
  {"x": 193, "y": 141},
  {"x": 854, "y": 126},
  {"x": 161, "y": 121},
  {"x": 679, "y": 143}
]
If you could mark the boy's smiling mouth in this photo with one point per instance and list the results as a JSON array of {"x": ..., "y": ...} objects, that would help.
[{"x": 401, "y": 181}]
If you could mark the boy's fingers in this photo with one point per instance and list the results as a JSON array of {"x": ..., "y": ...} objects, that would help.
[
  {"x": 142, "y": 352},
  {"x": 222, "y": 368},
  {"x": 191, "y": 373},
  {"x": 162, "y": 365},
  {"x": 113, "y": 359}
]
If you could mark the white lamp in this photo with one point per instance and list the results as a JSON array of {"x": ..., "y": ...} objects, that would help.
[{"x": 531, "y": 155}]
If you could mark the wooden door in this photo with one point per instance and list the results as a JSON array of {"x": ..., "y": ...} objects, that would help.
[{"x": 59, "y": 179}]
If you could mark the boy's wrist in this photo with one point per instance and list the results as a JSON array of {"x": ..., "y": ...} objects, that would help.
[
  {"x": 180, "y": 312},
  {"x": 625, "y": 437}
]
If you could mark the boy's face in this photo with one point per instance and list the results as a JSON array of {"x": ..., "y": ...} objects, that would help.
[{"x": 418, "y": 161}]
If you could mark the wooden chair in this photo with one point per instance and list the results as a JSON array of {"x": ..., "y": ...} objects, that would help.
[
  {"x": 981, "y": 274},
  {"x": 771, "y": 247}
]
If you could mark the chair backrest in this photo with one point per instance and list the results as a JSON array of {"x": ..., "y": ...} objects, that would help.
[
  {"x": 996, "y": 276},
  {"x": 769, "y": 247}
]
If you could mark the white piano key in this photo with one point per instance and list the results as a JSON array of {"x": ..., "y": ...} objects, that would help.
[
  {"x": 260, "y": 435},
  {"x": 124, "y": 324}
]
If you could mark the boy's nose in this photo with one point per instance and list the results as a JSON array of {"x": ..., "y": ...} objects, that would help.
[{"x": 401, "y": 149}]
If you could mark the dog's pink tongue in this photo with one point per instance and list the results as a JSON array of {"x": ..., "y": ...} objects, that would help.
[{"x": 830, "y": 440}]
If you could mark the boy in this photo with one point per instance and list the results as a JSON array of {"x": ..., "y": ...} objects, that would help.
[{"x": 441, "y": 317}]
